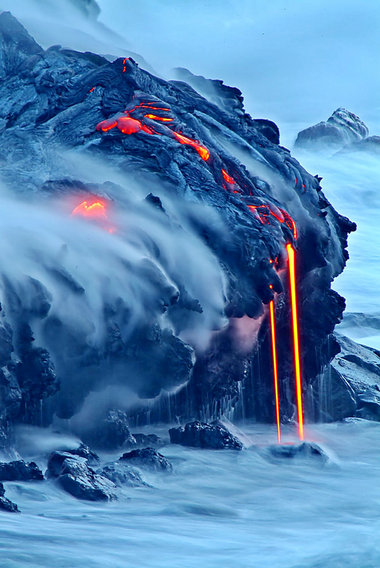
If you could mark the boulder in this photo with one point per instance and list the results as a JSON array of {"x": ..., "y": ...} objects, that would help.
[
  {"x": 212, "y": 436},
  {"x": 20, "y": 471},
  {"x": 85, "y": 452},
  {"x": 121, "y": 473},
  {"x": 302, "y": 451},
  {"x": 151, "y": 440},
  {"x": 6, "y": 504},
  {"x": 147, "y": 458},
  {"x": 75, "y": 476},
  {"x": 342, "y": 128}
]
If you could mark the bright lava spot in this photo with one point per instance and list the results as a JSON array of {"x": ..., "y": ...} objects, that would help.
[
  {"x": 202, "y": 151},
  {"x": 96, "y": 209},
  {"x": 227, "y": 177},
  {"x": 106, "y": 125},
  {"x": 159, "y": 118},
  {"x": 275, "y": 371},
  {"x": 128, "y": 125},
  {"x": 296, "y": 349}
]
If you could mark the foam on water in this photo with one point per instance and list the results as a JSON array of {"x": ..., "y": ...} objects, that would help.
[{"x": 217, "y": 509}]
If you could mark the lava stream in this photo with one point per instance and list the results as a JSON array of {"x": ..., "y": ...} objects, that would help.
[
  {"x": 275, "y": 371},
  {"x": 297, "y": 365}
]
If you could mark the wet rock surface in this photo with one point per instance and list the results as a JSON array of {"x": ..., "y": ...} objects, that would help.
[
  {"x": 358, "y": 367},
  {"x": 121, "y": 474},
  {"x": 20, "y": 471},
  {"x": 6, "y": 504},
  {"x": 151, "y": 440},
  {"x": 59, "y": 103},
  {"x": 75, "y": 476},
  {"x": 207, "y": 436},
  {"x": 297, "y": 452},
  {"x": 147, "y": 458}
]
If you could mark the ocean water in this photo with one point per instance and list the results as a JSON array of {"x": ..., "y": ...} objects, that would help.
[{"x": 217, "y": 509}]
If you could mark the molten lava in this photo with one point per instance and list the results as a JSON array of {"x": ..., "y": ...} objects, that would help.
[
  {"x": 227, "y": 177},
  {"x": 296, "y": 349},
  {"x": 264, "y": 211},
  {"x": 202, "y": 150},
  {"x": 159, "y": 118},
  {"x": 275, "y": 371},
  {"x": 95, "y": 210}
]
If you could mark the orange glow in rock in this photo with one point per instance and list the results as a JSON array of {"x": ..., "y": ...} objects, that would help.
[
  {"x": 227, "y": 177},
  {"x": 296, "y": 349},
  {"x": 275, "y": 370},
  {"x": 96, "y": 209},
  {"x": 106, "y": 125},
  {"x": 159, "y": 118},
  {"x": 128, "y": 125},
  {"x": 202, "y": 151}
]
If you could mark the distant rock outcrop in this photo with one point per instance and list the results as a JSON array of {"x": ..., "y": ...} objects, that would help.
[{"x": 342, "y": 128}]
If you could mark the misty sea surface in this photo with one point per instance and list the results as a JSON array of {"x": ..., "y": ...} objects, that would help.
[{"x": 217, "y": 509}]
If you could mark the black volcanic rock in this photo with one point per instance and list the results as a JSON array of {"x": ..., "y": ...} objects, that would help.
[
  {"x": 20, "y": 471},
  {"x": 121, "y": 474},
  {"x": 112, "y": 432},
  {"x": 358, "y": 368},
  {"x": 75, "y": 476},
  {"x": 60, "y": 118},
  {"x": 147, "y": 458},
  {"x": 296, "y": 452},
  {"x": 206, "y": 436},
  {"x": 342, "y": 128},
  {"x": 151, "y": 440},
  {"x": 6, "y": 504},
  {"x": 84, "y": 451}
]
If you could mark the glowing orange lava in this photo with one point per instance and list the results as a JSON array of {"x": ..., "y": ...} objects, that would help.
[
  {"x": 275, "y": 371},
  {"x": 106, "y": 125},
  {"x": 297, "y": 365},
  {"x": 159, "y": 118},
  {"x": 227, "y": 177},
  {"x": 96, "y": 209},
  {"x": 202, "y": 150}
]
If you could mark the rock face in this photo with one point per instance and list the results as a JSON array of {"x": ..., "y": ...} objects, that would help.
[
  {"x": 194, "y": 237},
  {"x": 358, "y": 368},
  {"x": 20, "y": 471},
  {"x": 207, "y": 436},
  {"x": 6, "y": 504},
  {"x": 342, "y": 128},
  {"x": 112, "y": 432},
  {"x": 75, "y": 476},
  {"x": 147, "y": 458}
]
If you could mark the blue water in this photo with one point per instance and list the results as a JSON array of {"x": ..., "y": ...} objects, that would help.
[{"x": 217, "y": 509}]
